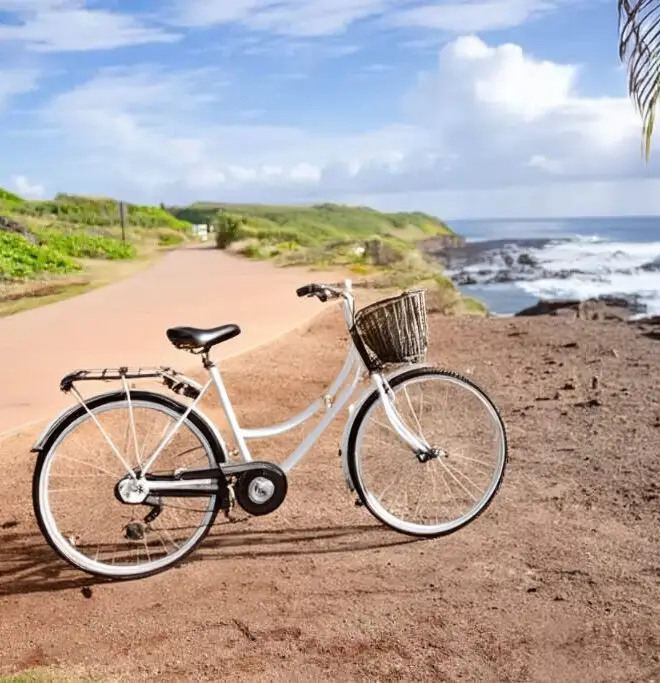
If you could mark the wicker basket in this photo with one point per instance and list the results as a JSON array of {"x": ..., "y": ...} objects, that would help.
[{"x": 392, "y": 331}]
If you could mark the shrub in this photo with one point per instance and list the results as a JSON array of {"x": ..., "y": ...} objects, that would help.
[
  {"x": 20, "y": 259},
  {"x": 254, "y": 250},
  {"x": 169, "y": 239},
  {"x": 81, "y": 245},
  {"x": 7, "y": 196},
  {"x": 227, "y": 229},
  {"x": 94, "y": 211}
]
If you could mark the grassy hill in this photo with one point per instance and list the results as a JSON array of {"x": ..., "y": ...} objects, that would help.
[
  {"x": 322, "y": 234},
  {"x": 69, "y": 241},
  {"x": 317, "y": 224},
  {"x": 55, "y": 248},
  {"x": 87, "y": 211},
  {"x": 378, "y": 249}
]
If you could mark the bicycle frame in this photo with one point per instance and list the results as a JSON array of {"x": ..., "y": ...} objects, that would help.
[{"x": 334, "y": 400}]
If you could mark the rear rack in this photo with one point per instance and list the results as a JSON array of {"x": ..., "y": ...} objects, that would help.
[{"x": 173, "y": 380}]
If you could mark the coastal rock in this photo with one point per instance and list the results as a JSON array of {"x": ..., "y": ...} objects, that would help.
[
  {"x": 650, "y": 326},
  {"x": 380, "y": 254},
  {"x": 8, "y": 225},
  {"x": 441, "y": 243},
  {"x": 527, "y": 260},
  {"x": 601, "y": 308},
  {"x": 493, "y": 261},
  {"x": 652, "y": 267},
  {"x": 509, "y": 275}
]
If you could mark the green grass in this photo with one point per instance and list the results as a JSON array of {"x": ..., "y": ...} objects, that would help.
[
  {"x": 69, "y": 228},
  {"x": 81, "y": 245},
  {"x": 20, "y": 259},
  {"x": 77, "y": 246},
  {"x": 334, "y": 235},
  {"x": 7, "y": 196},
  {"x": 323, "y": 235},
  {"x": 314, "y": 226},
  {"x": 89, "y": 211}
]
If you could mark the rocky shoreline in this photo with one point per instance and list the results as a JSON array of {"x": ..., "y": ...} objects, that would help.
[
  {"x": 616, "y": 309},
  {"x": 517, "y": 261},
  {"x": 506, "y": 261}
]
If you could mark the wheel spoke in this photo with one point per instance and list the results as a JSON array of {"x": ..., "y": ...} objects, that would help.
[
  {"x": 448, "y": 490},
  {"x": 118, "y": 543},
  {"x": 458, "y": 481},
  {"x": 412, "y": 410}
]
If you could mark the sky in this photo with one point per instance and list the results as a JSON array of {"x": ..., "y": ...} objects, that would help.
[{"x": 463, "y": 108}]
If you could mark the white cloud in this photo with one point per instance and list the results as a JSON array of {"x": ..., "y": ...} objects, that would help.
[
  {"x": 16, "y": 82},
  {"x": 69, "y": 25},
  {"x": 326, "y": 17},
  {"x": 486, "y": 118},
  {"x": 34, "y": 5},
  {"x": 468, "y": 16},
  {"x": 285, "y": 17},
  {"x": 25, "y": 188},
  {"x": 497, "y": 107}
]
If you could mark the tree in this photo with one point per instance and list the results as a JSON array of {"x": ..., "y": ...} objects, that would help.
[{"x": 639, "y": 48}]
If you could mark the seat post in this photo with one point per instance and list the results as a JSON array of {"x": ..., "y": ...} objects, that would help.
[{"x": 206, "y": 361}]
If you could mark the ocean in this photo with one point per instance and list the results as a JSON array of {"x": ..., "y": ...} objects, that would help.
[{"x": 572, "y": 258}]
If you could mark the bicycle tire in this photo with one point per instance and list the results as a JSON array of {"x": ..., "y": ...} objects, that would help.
[
  {"x": 102, "y": 401},
  {"x": 369, "y": 404}
]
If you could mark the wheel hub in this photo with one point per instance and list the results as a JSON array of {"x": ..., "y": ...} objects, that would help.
[
  {"x": 131, "y": 491},
  {"x": 432, "y": 454}
]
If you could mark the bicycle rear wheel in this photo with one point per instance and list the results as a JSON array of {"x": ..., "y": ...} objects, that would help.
[
  {"x": 448, "y": 490},
  {"x": 74, "y": 486}
]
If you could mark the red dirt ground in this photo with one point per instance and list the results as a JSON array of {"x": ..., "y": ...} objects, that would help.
[{"x": 559, "y": 581}]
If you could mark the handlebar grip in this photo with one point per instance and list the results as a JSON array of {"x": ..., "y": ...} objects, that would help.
[
  {"x": 313, "y": 289},
  {"x": 307, "y": 290}
]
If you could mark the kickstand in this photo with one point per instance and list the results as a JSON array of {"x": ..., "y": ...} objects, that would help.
[{"x": 230, "y": 506}]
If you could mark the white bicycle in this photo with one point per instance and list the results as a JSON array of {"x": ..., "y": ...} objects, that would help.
[{"x": 105, "y": 508}]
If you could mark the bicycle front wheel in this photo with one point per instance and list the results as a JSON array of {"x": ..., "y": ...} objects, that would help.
[
  {"x": 76, "y": 475},
  {"x": 428, "y": 496}
]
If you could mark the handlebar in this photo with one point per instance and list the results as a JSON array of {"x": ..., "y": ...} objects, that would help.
[{"x": 323, "y": 292}]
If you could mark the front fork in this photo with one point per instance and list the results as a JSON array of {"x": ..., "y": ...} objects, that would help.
[{"x": 417, "y": 444}]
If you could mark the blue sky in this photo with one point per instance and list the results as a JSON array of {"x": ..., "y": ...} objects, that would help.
[{"x": 465, "y": 108}]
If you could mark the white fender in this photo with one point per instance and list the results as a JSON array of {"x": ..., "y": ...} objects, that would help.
[
  {"x": 56, "y": 421},
  {"x": 353, "y": 410},
  {"x": 64, "y": 414}
]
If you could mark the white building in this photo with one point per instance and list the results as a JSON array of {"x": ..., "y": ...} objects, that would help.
[{"x": 201, "y": 230}]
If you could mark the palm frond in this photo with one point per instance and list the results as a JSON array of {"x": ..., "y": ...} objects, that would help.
[{"x": 639, "y": 48}]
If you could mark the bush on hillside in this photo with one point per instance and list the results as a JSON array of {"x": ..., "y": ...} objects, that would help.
[
  {"x": 6, "y": 195},
  {"x": 20, "y": 259},
  {"x": 81, "y": 245},
  {"x": 169, "y": 238},
  {"x": 316, "y": 225},
  {"x": 228, "y": 229},
  {"x": 91, "y": 211},
  {"x": 8, "y": 225}
]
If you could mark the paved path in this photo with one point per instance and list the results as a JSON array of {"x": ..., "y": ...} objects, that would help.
[{"x": 124, "y": 324}]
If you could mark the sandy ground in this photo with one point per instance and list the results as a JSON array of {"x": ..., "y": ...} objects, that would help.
[
  {"x": 124, "y": 324},
  {"x": 559, "y": 581}
]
